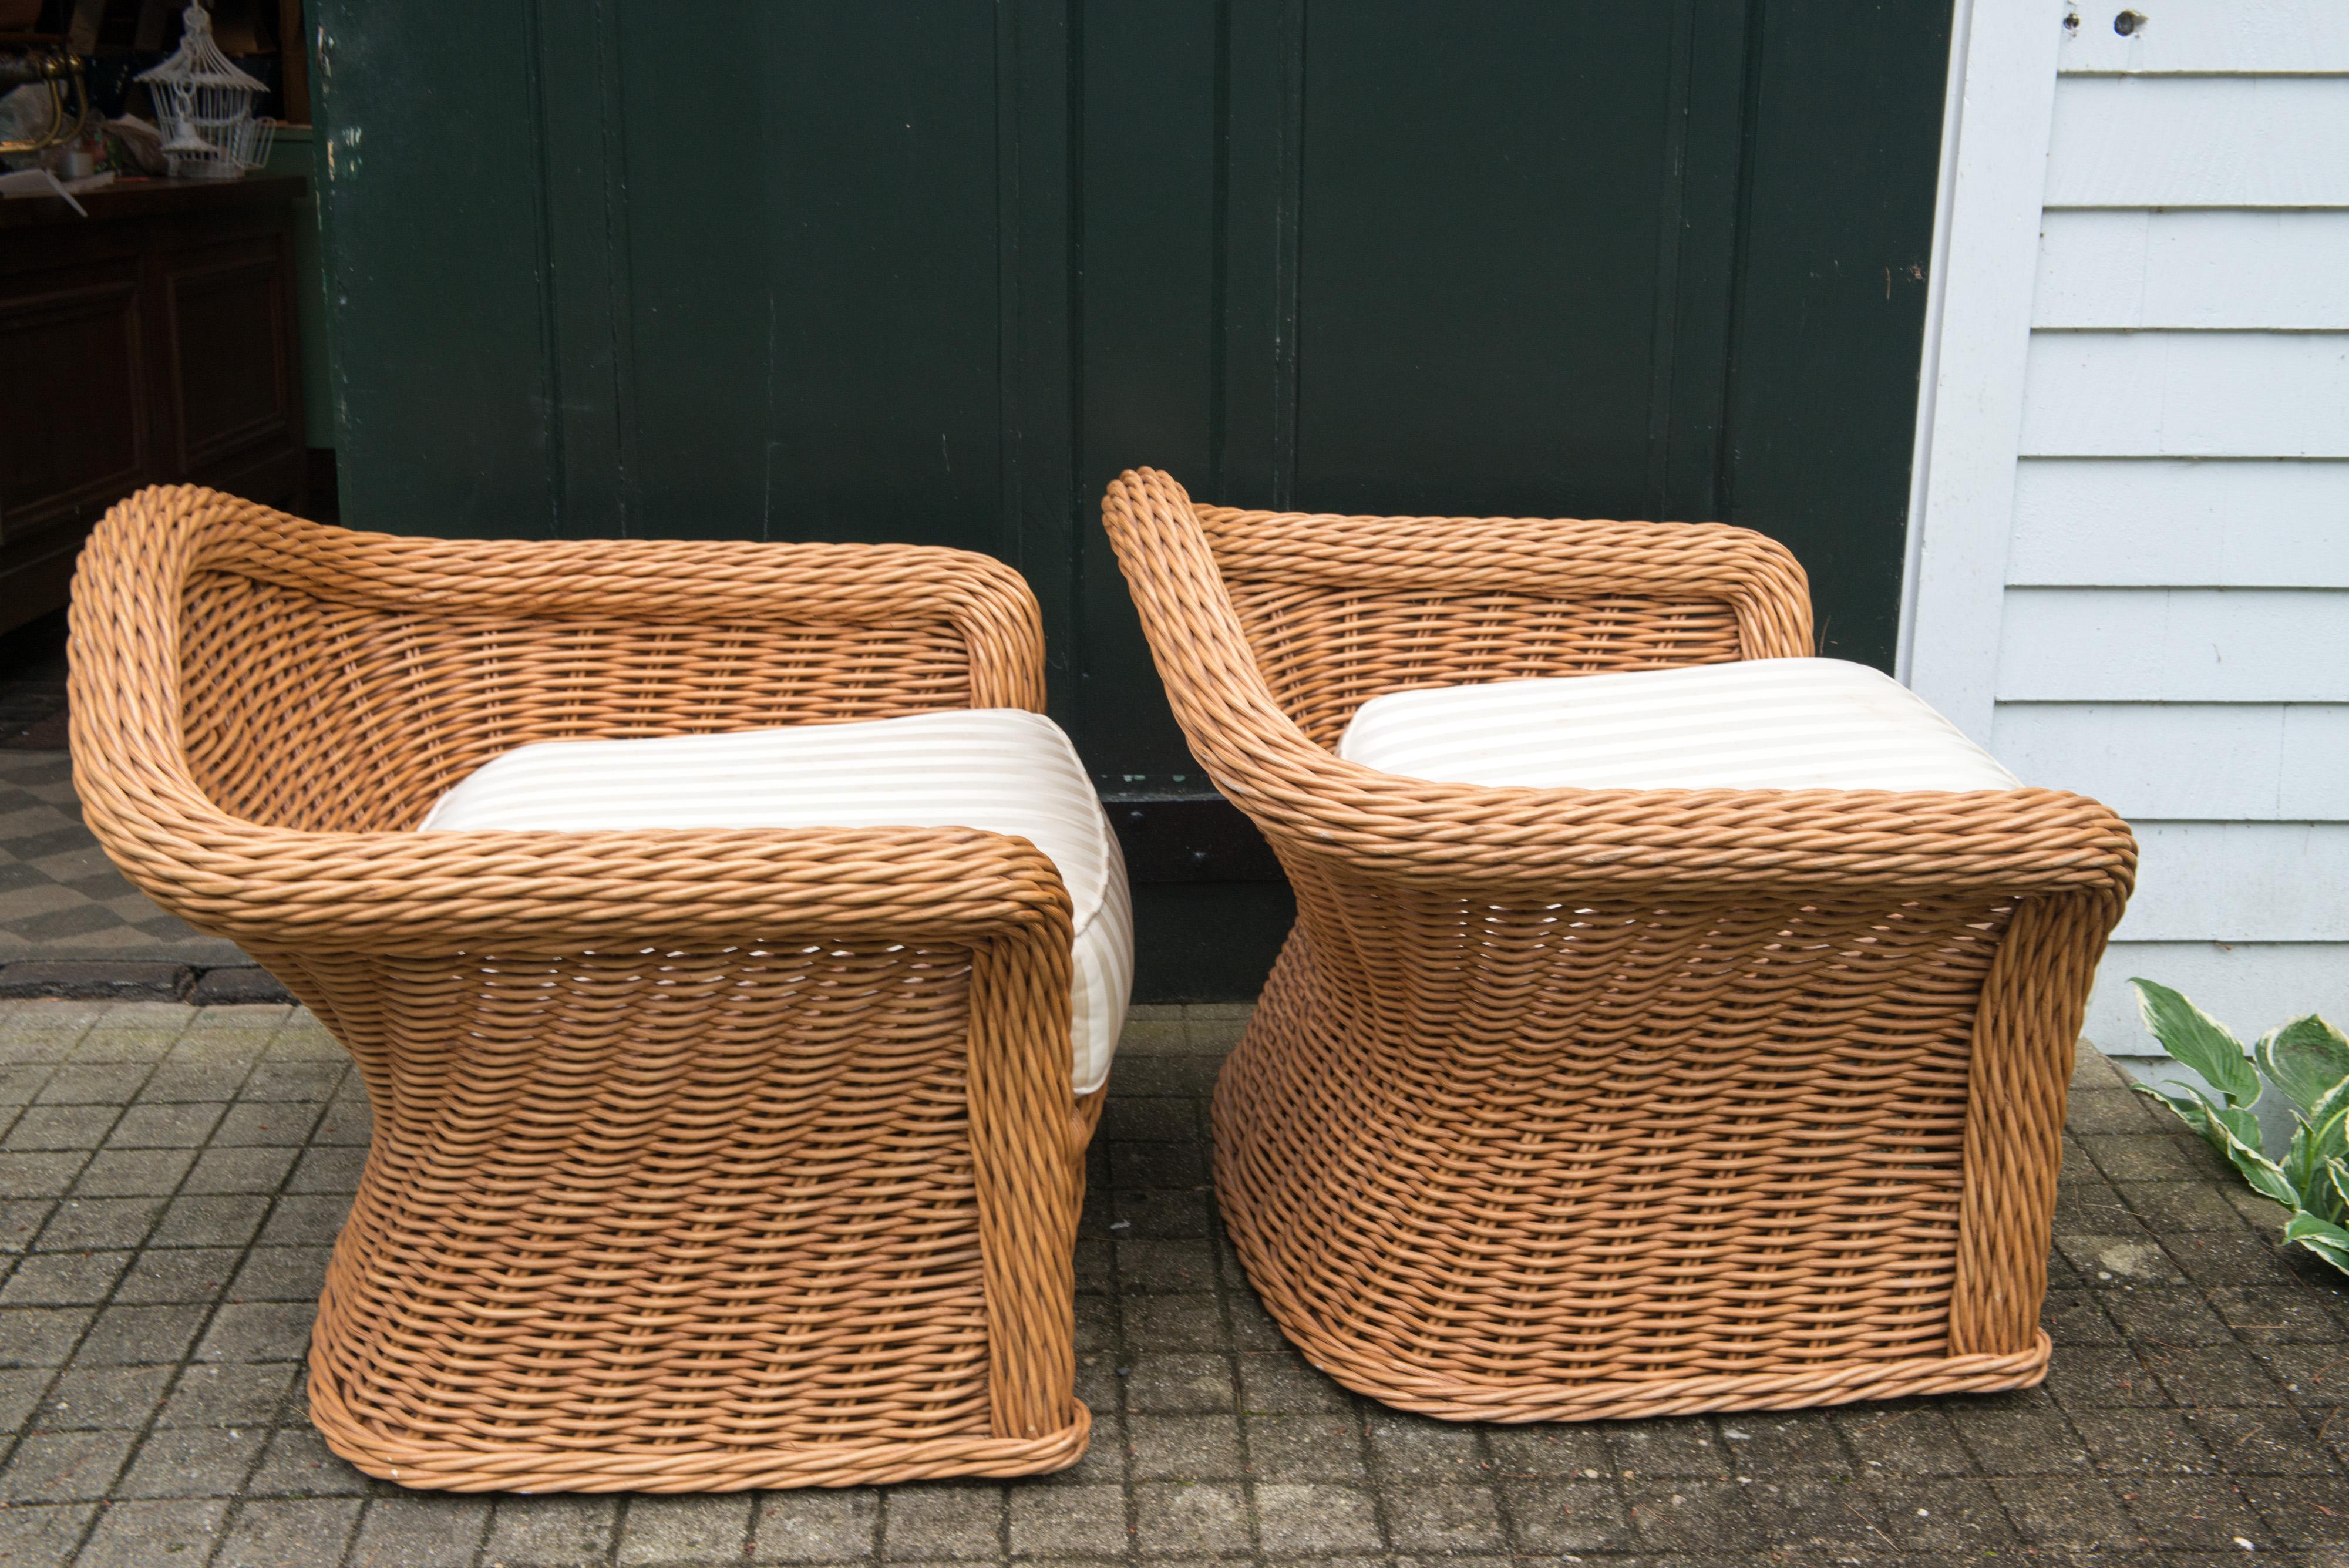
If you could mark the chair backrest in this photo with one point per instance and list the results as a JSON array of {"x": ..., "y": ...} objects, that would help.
[
  {"x": 1336, "y": 610},
  {"x": 329, "y": 680}
]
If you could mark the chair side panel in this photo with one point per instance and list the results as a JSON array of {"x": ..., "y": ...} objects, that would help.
[{"x": 1607, "y": 1141}]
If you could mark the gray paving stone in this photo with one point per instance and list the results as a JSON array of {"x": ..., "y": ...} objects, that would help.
[
  {"x": 297, "y": 1463},
  {"x": 1316, "y": 1518},
  {"x": 64, "y": 1278},
  {"x": 21, "y": 1390},
  {"x": 140, "y": 1336},
  {"x": 817, "y": 1526},
  {"x": 41, "y": 1336},
  {"x": 233, "y": 1169},
  {"x": 1318, "y": 1448},
  {"x": 193, "y": 1461},
  {"x": 134, "y": 1173},
  {"x": 943, "y": 1523},
  {"x": 282, "y": 1274},
  {"x": 83, "y": 1224},
  {"x": 1554, "y": 1516},
  {"x": 1191, "y": 1518},
  {"x": 210, "y": 1221},
  {"x": 60, "y": 1127},
  {"x": 177, "y": 1275},
  {"x": 1068, "y": 1522},
  {"x": 154, "y": 1534},
  {"x": 1445, "y": 1519},
  {"x": 63, "y": 1467},
  {"x": 226, "y": 1396},
  {"x": 259, "y": 1331},
  {"x": 185, "y": 1126},
  {"x": 111, "y": 1399},
  {"x": 1179, "y": 1385},
  {"x": 306, "y": 1532},
  {"x": 551, "y": 1532},
  {"x": 42, "y": 1534},
  {"x": 710, "y": 1527},
  {"x": 1185, "y": 1447},
  {"x": 420, "y": 1530}
]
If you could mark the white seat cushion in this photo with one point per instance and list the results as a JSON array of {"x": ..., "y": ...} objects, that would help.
[
  {"x": 1765, "y": 723},
  {"x": 998, "y": 769}
]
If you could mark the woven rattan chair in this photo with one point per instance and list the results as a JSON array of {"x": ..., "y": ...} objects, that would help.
[
  {"x": 1568, "y": 1104},
  {"x": 702, "y": 1159}
]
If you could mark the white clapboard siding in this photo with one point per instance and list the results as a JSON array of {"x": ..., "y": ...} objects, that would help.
[
  {"x": 2242, "y": 762},
  {"x": 2174, "y": 645},
  {"x": 2197, "y": 267},
  {"x": 2203, "y": 36},
  {"x": 2160, "y": 522},
  {"x": 2250, "y": 987},
  {"x": 2200, "y": 142},
  {"x": 2172, "y": 526},
  {"x": 2186, "y": 394},
  {"x": 2238, "y": 882}
]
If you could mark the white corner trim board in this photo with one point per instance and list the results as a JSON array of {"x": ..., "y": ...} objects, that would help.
[{"x": 1977, "y": 345}]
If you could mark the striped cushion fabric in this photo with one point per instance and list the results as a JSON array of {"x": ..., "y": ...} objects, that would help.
[
  {"x": 1766, "y": 723},
  {"x": 1000, "y": 770}
]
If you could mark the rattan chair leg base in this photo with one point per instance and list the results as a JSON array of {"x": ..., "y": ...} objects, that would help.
[
  {"x": 1286, "y": 1204},
  {"x": 441, "y": 1465}
]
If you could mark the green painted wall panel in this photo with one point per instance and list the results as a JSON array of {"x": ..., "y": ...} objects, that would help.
[{"x": 934, "y": 271}]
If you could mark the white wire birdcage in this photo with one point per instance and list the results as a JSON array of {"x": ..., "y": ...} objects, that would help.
[{"x": 203, "y": 105}]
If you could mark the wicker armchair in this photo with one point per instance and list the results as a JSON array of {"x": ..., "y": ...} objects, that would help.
[
  {"x": 1570, "y": 1103},
  {"x": 702, "y": 1161}
]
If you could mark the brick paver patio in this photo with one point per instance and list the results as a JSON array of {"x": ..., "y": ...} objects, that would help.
[{"x": 171, "y": 1177}]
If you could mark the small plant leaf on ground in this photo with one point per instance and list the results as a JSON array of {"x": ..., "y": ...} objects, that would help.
[{"x": 2307, "y": 1060}]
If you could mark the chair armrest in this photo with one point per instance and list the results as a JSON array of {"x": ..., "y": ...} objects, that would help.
[
  {"x": 1758, "y": 578},
  {"x": 430, "y": 892}
]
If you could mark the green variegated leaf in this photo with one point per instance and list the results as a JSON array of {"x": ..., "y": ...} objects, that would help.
[
  {"x": 2307, "y": 1058},
  {"x": 2337, "y": 1169},
  {"x": 2199, "y": 1040},
  {"x": 2191, "y": 1108},
  {"x": 2322, "y": 1237},
  {"x": 2241, "y": 1131},
  {"x": 2334, "y": 1104},
  {"x": 2305, "y": 1168}
]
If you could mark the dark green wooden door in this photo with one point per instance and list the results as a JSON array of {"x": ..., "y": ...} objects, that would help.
[{"x": 937, "y": 272}]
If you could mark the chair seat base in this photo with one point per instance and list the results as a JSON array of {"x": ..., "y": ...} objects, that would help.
[
  {"x": 433, "y": 1463},
  {"x": 1276, "y": 1194}
]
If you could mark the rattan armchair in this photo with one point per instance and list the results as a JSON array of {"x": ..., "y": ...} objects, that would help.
[
  {"x": 701, "y": 1160},
  {"x": 1570, "y": 1103}
]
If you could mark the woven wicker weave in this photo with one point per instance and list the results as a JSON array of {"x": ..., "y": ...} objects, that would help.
[
  {"x": 702, "y": 1161},
  {"x": 1568, "y": 1104}
]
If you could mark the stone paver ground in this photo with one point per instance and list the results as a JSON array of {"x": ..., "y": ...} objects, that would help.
[{"x": 171, "y": 1179}]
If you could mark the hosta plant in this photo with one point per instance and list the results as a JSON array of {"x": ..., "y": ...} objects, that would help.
[{"x": 2306, "y": 1061}]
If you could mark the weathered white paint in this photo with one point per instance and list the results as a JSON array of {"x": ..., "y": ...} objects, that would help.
[
  {"x": 2174, "y": 635},
  {"x": 2175, "y": 645},
  {"x": 2239, "y": 882},
  {"x": 2250, "y": 987},
  {"x": 2201, "y": 36},
  {"x": 2197, "y": 267},
  {"x": 2162, "y": 522},
  {"x": 2186, "y": 394},
  {"x": 2200, "y": 142},
  {"x": 2002, "y": 87}
]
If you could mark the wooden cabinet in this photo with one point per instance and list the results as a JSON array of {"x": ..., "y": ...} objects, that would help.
[{"x": 152, "y": 342}]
